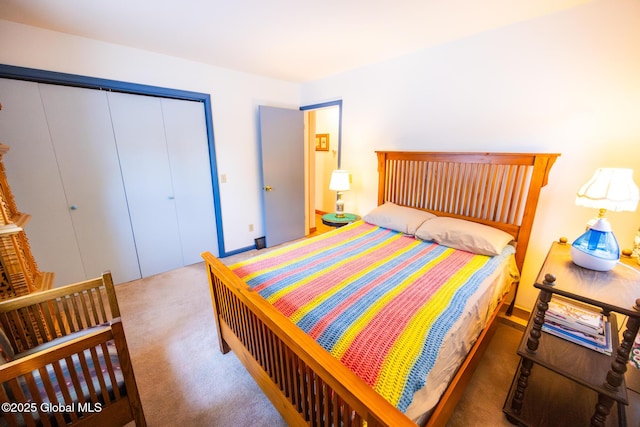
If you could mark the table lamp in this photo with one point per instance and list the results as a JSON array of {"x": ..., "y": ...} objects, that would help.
[
  {"x": 340, "y": 183},
  {"x": 609, "y": 189}
]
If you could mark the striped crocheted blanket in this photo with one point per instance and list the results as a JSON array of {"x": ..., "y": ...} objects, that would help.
[{"x": 379, "y": 301}]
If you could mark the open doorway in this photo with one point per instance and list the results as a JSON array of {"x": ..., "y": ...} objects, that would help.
[{"x": 323, "y": 131}]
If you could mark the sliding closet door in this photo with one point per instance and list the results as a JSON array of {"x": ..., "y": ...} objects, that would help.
[
  {"x": 33, "y": 174},
  {"x": 80, "y": 128},
  {"x": 113, "y": 181},
  {"x": 187, "y": 144},
  {"x": 139, "y": 131}
]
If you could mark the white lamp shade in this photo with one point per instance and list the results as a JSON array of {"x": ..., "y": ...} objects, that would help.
[
  {"x": 339, "y": 180},
  {"x": 611, "y": 189}
]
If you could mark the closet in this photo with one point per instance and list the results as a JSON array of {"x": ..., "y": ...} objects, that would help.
[{"x": 114, "y": 181}]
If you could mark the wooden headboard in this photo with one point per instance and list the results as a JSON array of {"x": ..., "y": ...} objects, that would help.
[{"x": 496, "y": 189}]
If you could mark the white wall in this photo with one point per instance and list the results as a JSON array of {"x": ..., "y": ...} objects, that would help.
[
  {"x": 235, "y": 98},
  {"x": 567, "y": 83}
]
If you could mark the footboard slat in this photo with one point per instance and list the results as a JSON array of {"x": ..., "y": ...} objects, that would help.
[
  {"x": 304, "y": 382},
  {"x": 295, "y": 391},
  {"x": 284, "y": 386},
  {"x": 272, "y": 357}
]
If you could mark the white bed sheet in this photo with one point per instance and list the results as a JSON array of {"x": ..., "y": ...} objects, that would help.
[{"x": 461, "y": 338}]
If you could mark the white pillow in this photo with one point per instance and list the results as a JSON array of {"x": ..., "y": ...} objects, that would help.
[
  {"x": 465, "y": 235},
  {"x": 396, "y": 217}
]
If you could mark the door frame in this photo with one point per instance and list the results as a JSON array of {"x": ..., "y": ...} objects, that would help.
[
  {"x": 53, "y": 77},
  {"x": 330, "y": 104},
  {"x": 310, "y": 174}
]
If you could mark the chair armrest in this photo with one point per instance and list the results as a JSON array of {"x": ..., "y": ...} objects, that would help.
[{"x": 56, "y": 352}]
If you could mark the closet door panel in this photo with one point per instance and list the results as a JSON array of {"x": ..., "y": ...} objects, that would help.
[
  {"x": 82, "y": 135},
  {"x": 144, "y": 162},
  {"x": 35, "y": 181},
  {"x": 187, "y": 144}
]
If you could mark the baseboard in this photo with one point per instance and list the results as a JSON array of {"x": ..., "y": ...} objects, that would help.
[
  {"x": 521, "y": 313},
  {"x": 518, "y": 319}
]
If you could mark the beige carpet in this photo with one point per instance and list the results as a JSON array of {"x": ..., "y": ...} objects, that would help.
[
  {"x": 182, "y": 377},
  {"x": 184, "y": 380}
]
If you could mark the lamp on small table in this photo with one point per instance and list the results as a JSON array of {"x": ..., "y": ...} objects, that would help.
[
  {"x": 340, "y": 183},
  {"x": 609, "y": 189}
]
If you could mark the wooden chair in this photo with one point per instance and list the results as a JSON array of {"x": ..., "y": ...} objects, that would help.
[{"x": 68, "y": 361}]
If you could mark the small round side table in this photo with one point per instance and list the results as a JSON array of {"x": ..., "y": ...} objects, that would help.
[{"x": 332, "y": 220}]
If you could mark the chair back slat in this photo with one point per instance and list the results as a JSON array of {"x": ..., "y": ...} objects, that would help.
[{"x": 52, "y": 314}]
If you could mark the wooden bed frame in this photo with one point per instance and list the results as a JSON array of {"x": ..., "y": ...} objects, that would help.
[{"x": 304, "y": 382}]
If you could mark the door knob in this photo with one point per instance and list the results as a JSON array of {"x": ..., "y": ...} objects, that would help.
[
  {"x": 268, "y": 188},
  {"x": 73, "y": 207}
]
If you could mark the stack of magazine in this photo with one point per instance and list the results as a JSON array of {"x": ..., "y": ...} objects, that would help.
[{"x": 578, "y": 324}]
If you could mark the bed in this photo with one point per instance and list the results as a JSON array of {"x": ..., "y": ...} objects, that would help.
[{"x": 297, "y": 370}]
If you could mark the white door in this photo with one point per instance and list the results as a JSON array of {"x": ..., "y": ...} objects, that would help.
[
  {"x": 282, "y": 144},
  {"x": 32, "y": 172},
  {"x": 187, "y": 144},
  {"x": 82, "y": 135},
  {"x": 144, "y": 162}
]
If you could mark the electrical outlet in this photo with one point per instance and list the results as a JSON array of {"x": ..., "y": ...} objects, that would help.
[
  {"x": 250, "y": 227},
  {"x": 223, "y": 178}
]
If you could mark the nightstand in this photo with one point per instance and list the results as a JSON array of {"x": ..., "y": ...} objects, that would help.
[
  {"x": 559, "y": 383},
  {"x": 332, "y": 220}
]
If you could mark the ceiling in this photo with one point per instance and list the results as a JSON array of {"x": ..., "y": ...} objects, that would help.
[{"x": 295, "y": 40}]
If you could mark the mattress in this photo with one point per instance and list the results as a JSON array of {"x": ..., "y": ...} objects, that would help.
[{"x": 399, "y": 312}]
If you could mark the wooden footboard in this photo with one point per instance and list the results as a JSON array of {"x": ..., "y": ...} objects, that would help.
[{"x": 304, "y": 382}]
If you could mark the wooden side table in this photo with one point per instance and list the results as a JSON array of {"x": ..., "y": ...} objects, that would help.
[
  {"x": 560, "y": 383},
  {"x": 332, "y": 220}
]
